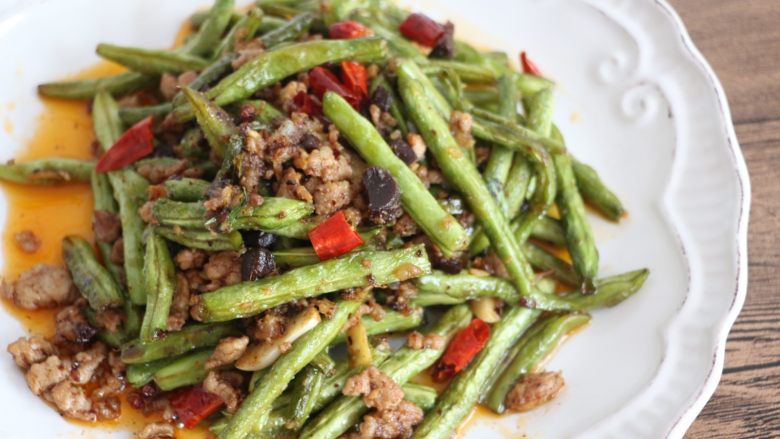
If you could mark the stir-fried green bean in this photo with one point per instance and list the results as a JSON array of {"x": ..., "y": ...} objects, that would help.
[
  {"x": 460, "y": 171},
  {"x": 531, "y": 351},
  {"x": 466, "y": 388},
  {"x": 440, "y": 226},
  {"x": 350, "y": 271},
  {"x": 253, "y": 165},
  {"x": 186, "y": 189},
  {"x": 149, "y": 61},
  {"x": 120, "y": 84},
  {"x": 289, "y": 31},
  {"x": 47, "y": 171},
  {"x": 273, "y": 214},
  {"x": 500, "y": 161},
  {"x": 305, "y": 391},
  {"x": 130, "y": 193},
  {"x": 92, "y": 279},
  {"x": 273, "y": 383},
  {"x": 185, "y": 370},
  {"x": 439, "y": 288},
  {"x": 176, "y": 343},
  {"x": 595, "y": 193},
  {"x": 201, "y": 239},
  {"x": 275, "y": 65},
  {"x": 159, "y": 279},
  {"x": 579, "y": 236},
  {"x": 216, "y": 124},
  {"x": 402, "y": 366},
  {"x": 103, "y": 203}
]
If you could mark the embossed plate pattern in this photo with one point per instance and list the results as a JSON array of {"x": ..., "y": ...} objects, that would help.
[{"x": 636, "y": 100}]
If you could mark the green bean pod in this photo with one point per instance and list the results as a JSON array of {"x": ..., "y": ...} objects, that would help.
[
  {"x": 500, "y": 161},
  {"x": 243, "y": 29},
  {"x": 275, "y": 65},
  {"x": 350, "y": 271},
  {"x": 289, "y": 31},
  {"x": 92, "y": 279},
  {"x": 439, "y": 288},
  {"x": 529, "y": 85},
  {"x": 464, "y": 391},
  {"x": 120, "y": 84},
  {"x": 469, "y": 73},
  {"x": 48, "y": 171},
  {"x": 176, "y": 343},
  {"x": 209, "y": 33},
  {"x": 133, "y": 115},
  {"x": 274, "y": 213},
  {"x": 141, "y": 374},
  {"x": 596, "y": 194},
  {"x": 130, "y": 190},
  {"x": 443, "y": 229},
  {"x": 402, "y": 366},
  {"x": 151, "y": 62},
  {"x": 103, "y": 200},
  {"x": 462, "y": 174},
  {"x": 186, "y": 370},
  {"x": 259, "y": 402},
  {"x": 305, "y": 391},
  {"x": 531, "y": 352},
  {"x": 579, "y": 236},
  {"x": 544, "y": 261},
  {"x": 609, "y": 291},
  {"x": 160, "y": 281},
  {"x": 216, "y": 124},
  {"x": 186, "y": 189},
  {"x": 202, "y": 239}
]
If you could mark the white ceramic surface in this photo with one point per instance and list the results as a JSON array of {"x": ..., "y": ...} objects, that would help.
[{"x": 636, "y": 100}]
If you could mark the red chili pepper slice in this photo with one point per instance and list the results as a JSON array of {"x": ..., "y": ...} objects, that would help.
[
  {"x": 463, "y": 347},
  {"x": 422, "y": 30},
  {"x": 135, "y": 143},
  {"x": 304, "y": 103},
  {"x": 193, "y": 404},
  {"x": 529, "y": 66},
  {"x": 355, "y": 78},
  {"x": 322, "y": 80},
  {"x": 347, "y": 30},
  {"x": 334, "y": 237}
]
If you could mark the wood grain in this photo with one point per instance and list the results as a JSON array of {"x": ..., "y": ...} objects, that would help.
[{"x": 741, "y": 40}]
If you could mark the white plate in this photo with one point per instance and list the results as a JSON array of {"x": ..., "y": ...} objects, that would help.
[{"x": 636, "y": 100}]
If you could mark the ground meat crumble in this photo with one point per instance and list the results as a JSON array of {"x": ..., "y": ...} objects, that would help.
[
  {"x": 27, "y": 241},
  {"x": 533, "y": 390},
  {"x": 392, "y": 416},
  {"x": 42, "y": 286}
]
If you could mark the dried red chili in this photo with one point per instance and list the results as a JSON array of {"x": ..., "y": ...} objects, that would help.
[
  {"x": 355, "y": 78},
  {"x": 193, "y": 404},
  {"x": 304, "y": 103},
  {"x": 463, "y": 347},
  {"x": 422, "y": 30},
  {"x": 347, "y": 30},
  {"x": 334, "y": 237},
  {"x": 322, "y": 80},
  {"x": 529, "y": 66},
  {"x": 135, "y": 143}
]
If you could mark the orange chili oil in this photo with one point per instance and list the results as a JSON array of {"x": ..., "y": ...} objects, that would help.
[{"x": 64, "y": 129}]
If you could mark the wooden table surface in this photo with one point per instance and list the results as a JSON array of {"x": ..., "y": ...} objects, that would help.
[{"x": 741, "y": 40}]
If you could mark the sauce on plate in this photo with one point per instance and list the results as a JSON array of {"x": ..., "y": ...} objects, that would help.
[{"x": 52, "y": 212}]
